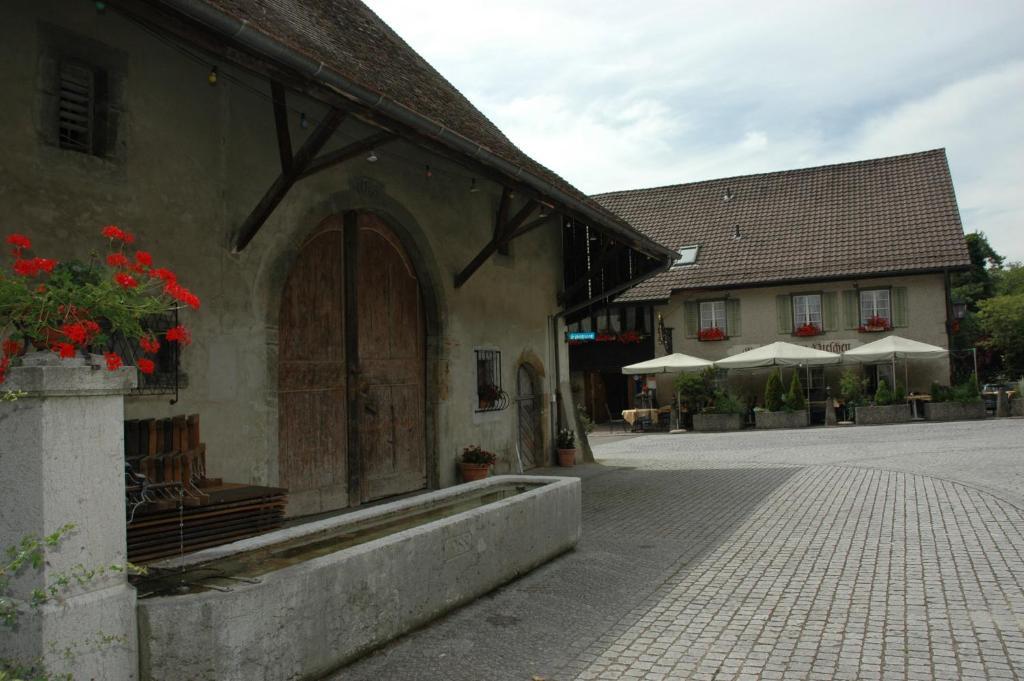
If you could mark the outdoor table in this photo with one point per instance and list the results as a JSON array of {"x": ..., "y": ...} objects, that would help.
[
  {"x": 914, "y": 399},
  {"x": 633, "y": 416}
]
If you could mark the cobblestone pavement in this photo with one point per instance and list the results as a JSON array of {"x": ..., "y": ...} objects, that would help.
[{"x": 891, "y": 552}]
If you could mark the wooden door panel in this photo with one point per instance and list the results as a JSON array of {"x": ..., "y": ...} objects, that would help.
[
  {"x": 391, "y": 365},
  {"x": 311, "y": 378}
]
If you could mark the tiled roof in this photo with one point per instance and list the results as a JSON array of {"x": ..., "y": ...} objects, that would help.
[
  {"x": 345, "y": 36},
  {"x": 886, "y": 215}
]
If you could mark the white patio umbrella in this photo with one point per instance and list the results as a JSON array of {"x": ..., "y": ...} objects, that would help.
[
  {"x": 779, "y": 354},
  {"x": 675, "y": 363},
  {"x": 892, "y": 347}
]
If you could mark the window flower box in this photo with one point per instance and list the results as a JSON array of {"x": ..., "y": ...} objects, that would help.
[
  {"x": 712, "y": 333},
  {"x": 875, "y": 324},
  {"x": 808, "y": 330}
]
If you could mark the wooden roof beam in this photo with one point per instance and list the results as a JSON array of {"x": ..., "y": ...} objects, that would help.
[
  {"x": 286, "y": 179},
  {"x": 503, "y": 233},
  {"x": 357, "y": 148}
]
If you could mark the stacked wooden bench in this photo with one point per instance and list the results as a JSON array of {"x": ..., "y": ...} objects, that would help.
[{"x": 173, "y": 507}]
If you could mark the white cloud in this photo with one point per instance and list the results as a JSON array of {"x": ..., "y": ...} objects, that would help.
[{"x": 615, "y": 95}]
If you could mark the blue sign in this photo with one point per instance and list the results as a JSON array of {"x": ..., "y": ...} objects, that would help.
[{"x": 582, "y": 335}]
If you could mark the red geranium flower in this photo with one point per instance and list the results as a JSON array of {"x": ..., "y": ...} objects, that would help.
[
  {"x": 114, "y": 361},
  {"x": 146, "y": 366},
  {"x": 181, "y": 294},
  {"x": 26, "y": 268},
  {"x": 149, "y": 344},
  {"x": 125, "y": 280},
  {"x": 75, "y": 332},
  {"x": 65, "y": 350},
  {"x": 144, "y": 258},
  {"x": 165, "y": 274},
  {"x": 19, "y": 241},
  {"x": 12, "y": 347},
  {"x": 115, "y": 232},
  {"x": 117, "y": 259},
  {"x": 179, "y": 334}
]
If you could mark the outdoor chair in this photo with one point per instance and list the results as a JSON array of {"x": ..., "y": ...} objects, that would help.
[{"x": 613, "y": 422}]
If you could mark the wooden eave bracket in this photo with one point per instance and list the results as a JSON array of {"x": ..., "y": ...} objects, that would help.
[
  {"x": 302, "y": 164},
  {"x": 505, "y": 230}
]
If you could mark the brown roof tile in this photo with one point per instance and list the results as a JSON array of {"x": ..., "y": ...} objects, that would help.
[{"x": 886, "y": 215}]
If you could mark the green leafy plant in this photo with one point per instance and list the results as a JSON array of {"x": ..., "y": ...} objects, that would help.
[
  {"x": 585, "y": 420},
  {"x": 694, "y": 390},
  {"x": 966, "y": 392},
  {"x": 852, "y": 388},
  {"x": 899, "y": 395},
  {"x": 883, "y": 395},
  {"x": 30, "y": 554},
  {"x": 795, "y": 398},
  {"x": 73, "y": 306},
  {"x": 773, "y": 396},
  {"x": 566, "y": 439},
  {"x": 474, "y": 454},
  {"x": 724, "y": 403}
]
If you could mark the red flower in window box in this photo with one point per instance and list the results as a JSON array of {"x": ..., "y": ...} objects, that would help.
[
  {"x": 712, "y": 333},
  {"x": 627, "y": 337},
  {"x": 808, "y": 330},
  {"x": 874, "y": 324},
  {"x": 606, "y": 337}
]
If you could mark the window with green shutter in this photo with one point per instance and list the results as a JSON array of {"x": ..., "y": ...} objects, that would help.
[
  {"x": 900, "y": 313},
  {"x": 691, "y": 319},
  {"x": 784, "y": 314}
]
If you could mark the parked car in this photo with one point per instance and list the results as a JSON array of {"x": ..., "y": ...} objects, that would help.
[{"x": 990, "y": 393}]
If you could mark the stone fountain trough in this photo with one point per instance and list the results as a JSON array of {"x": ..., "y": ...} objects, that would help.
[{"x": 300, "y": 602}]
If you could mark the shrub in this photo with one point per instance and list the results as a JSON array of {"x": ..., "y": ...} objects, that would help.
[
  {"x": 773, "y": 392},
  {"x": 795, "y": 399},
  {"x": 899, "y": 395},
  {"x": 694, "y": 390},
  {"x": 474, "y": 454},
  {"x": 940, "y": 393},
  {"x": 724, "y": 403},
  {"x": 566, "y": 439},
  {"x": 852, "y": 387},
  {"x": 966, "y": 392},
  {"x": 883, "y": 396}
]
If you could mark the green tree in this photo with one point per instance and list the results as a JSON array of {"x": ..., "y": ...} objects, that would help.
[
  {"x": 694, "y": 390},
  {"x": 1002, "y": 320},
  {"x": 795, "y": 399},
  {"x": 976, "y": 284},
  {"x": 1009, "y": 280},
  {"x": 883, "y": 396},
  {"x": 773, "y": 392}
]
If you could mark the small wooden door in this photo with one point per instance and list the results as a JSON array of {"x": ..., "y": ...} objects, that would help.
[
  {"x": 528, "y": 404},
  {"x": 311, "y": 378},
  {"x": 391, "y": 365}
]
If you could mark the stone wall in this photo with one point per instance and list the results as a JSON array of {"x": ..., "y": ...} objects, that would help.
[
  {"x": 874, "y": 415},
  {"x": 716, "y": 423},
  {"x": 190, "y": 160},
  {"x": 954, "y": 411},
  {"x": 781, "y": 419}
]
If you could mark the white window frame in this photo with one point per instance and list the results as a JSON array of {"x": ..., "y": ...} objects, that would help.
[
  {"x": 806, "y": 315},
  {"x": 869, "y": 300},
  {"x": 713, "y": 314},
  {"x": 687, "y": 256}
]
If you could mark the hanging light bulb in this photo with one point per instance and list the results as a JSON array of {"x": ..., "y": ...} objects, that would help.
[
  {"x": 303, "y": 121},
  {"x": 372, "y": 158},
  {"x": 428, "y": 173},
  {"x": 211, "y": 77},
  {"x": 473, "y": 189}
]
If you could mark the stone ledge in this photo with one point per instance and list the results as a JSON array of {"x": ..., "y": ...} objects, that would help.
[
  {"x": 954, "y": 411},
  {"x": 875, "y": 415},
  {"x": 46, "y": 375},
  {"x": 781, "y": 419},
  {"x": 717, "y": 423}
]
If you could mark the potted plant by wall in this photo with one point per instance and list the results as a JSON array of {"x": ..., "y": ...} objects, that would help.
[
  {"x": 782, "y": 410},
  {"x": 566, "y": 444},
  {"x": 74, "y": 308},
  {"x": 852, "y": 387},
  {"x": 887, "y": 407},
  {"x": 475, "y": 463},
  {"x": 961, "y": 402},
  {"x": 724, "y": 412}
]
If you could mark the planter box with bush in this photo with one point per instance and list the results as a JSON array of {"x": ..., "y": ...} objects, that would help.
[
  {"x": 717, "y": 423},
  {"x": 954, "y": 411},
  {"x": 781, "y": 419},
  {"x": 875, "y": 415},
  {"x": 1017, "y": 407}
]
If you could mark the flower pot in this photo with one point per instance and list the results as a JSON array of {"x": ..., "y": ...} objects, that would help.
[
  {"x": 567, "y": 457},
  {"x": 473, "y": 471}
]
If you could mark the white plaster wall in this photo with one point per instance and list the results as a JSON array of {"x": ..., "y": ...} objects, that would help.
[
  {"x": 196, "y": 159},
  {"x": 926, "y": 318}
]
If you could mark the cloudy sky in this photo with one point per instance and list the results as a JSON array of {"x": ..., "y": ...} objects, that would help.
[{"x": 617, "y": 95}]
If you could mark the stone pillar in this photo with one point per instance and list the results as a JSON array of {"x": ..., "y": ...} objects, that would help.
[
  {"x": 62, "y": 461},
  {"x": 1002, "y": 403}
]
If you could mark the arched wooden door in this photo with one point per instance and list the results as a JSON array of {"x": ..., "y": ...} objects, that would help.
[
  {"x": 528, "y": 405},
  {"x": 312, "y": 433},
  {"x": 392, "y": 370},
  {"x": 389, "y": 359}
]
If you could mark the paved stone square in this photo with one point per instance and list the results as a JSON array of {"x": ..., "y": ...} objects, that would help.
[{"x": 890, "y": 552}]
